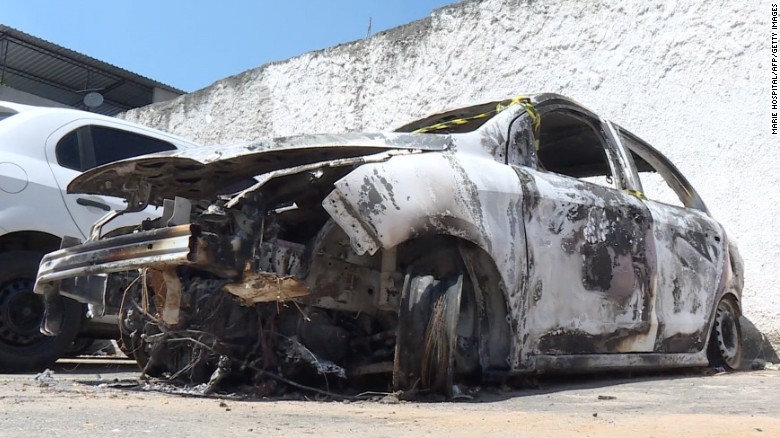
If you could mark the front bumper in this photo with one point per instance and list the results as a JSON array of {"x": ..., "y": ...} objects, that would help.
[{"x": 79, "y": 271}]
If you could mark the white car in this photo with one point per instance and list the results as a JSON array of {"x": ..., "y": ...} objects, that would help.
[{"x": 41, "y": 151}]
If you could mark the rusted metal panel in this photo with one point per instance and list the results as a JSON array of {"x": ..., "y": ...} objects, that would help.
[
  {"x": 180, "y": 245},
  {"x": 171, "y": 307},
  {"x": 264, "y": 287},
  {"x": 123, "y": 253}
]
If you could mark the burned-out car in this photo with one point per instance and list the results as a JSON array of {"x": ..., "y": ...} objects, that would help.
[{"x": 500, "y": 239}]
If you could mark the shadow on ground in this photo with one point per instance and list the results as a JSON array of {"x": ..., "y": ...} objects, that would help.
[
  {"x": 756, "y": 348},
  {"x": 755, "y": 345},
  {"x": 487, "y": 393}
]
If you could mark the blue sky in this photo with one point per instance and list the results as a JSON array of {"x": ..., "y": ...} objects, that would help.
[{"x": 190, "y": 44}]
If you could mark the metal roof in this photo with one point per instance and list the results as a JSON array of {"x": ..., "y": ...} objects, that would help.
[{"x": 42, "y": 68}]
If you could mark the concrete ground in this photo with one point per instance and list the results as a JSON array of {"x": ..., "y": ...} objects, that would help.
[{"x": 98, "y": 398}]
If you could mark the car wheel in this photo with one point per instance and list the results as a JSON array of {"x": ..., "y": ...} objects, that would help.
[
  {"x": 134, "y": 348},
  {"x": 725, "y": 346},
  {"x": 22, "y": 345},
  {"x": 427, "y": 334},
  {"x": 133, "y": 321}
]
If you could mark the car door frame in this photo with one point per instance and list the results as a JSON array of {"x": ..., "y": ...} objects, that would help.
[
  {"x": 521, "y": 128},
  {"x": 628, "y": 188},
  {"x": 694, "y": 265},
  {"x": 95, "y": 204}
]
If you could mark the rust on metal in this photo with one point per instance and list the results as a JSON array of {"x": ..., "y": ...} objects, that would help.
[{"x": 263, "y": 287}]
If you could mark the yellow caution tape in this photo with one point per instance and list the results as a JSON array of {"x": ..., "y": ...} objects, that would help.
[
  {"x": 635, "y": 193},
  {"x": 536, "y": 120}
]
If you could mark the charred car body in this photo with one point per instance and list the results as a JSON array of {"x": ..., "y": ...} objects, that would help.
[{"x": 475, "y": 243}]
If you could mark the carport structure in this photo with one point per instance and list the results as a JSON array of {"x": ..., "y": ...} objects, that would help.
[{"x": 41, "y": 68}]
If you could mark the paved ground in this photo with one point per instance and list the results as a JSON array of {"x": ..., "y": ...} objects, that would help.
[{"x": 89, "y": 399}]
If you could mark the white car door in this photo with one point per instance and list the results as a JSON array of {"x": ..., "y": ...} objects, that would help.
[{"x": 87, "y": 143}]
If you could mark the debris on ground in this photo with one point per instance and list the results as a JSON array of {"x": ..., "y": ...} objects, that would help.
[
  {"x": 296, "y": 352},
  {"x": 760, "y": 364},
  {"x": 458, "y": 393},
  {"x": 390, "y": 399},
  {"x": 45, "y": 378}
]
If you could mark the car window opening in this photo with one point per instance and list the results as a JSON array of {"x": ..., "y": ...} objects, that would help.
[
  {"x": 100, "y": 145},
  {"x": 659, "y": 184},
  {"x": 571, "y": 146}
]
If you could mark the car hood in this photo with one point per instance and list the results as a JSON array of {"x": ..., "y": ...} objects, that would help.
[{"x": 204, "y": 172}]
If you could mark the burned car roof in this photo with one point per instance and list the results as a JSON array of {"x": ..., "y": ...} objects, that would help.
[{"x": 470, "y": 118}]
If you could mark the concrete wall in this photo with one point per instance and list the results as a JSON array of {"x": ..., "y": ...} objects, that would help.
[
  {"x": 161, "y": 95},
  {"x": 690, "y": 77}
]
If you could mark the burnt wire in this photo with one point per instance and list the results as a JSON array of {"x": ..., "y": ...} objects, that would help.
[{"x": 122, "y": 306}]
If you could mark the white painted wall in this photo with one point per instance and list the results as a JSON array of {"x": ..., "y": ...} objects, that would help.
[
  {"x": 690, "y": 77},
  {"x": 13, "y": 95}
]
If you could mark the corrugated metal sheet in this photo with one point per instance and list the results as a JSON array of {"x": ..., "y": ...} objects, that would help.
[{"x": 39, "y": 67}]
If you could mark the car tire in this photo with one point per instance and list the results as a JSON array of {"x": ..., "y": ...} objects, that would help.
[
  {"x": 132, "y": 327},
  {"x": 134, "y": 349},
  {"x": 425, "y": 346},
  {"x": 725, "y": 346},
  {"x": 22, "y": 346}
]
